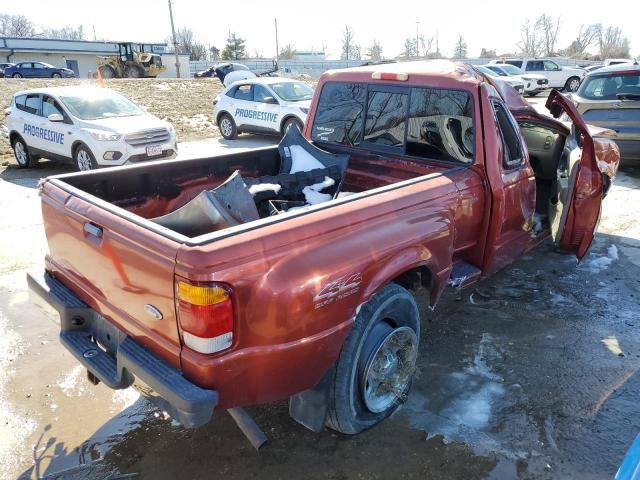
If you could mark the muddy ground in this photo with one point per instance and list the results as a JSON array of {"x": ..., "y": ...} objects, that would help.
[
  {"x": 187, "y": 104},
  {"x": 531, "y": 374}
]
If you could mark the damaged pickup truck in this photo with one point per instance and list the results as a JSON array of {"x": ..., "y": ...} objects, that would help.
[{"x": 290, "y": 271}]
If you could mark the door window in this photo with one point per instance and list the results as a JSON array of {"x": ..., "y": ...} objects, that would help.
[
  {"x": 515, "y": 63},
  {"x": 550, "y": 66},
  {"x": 340, "y": 113},
  {"x": 38, "y": 66},
  {"x": 32, "y": 104},
  {"x": 20, "y": 102},
  {"x": 441, "y": 125},
  {"x": 386, "y": 118},
  {"x": 243, "y": 92},
  {"x": 50, "y": 106},
  {"x": 511, "y": 146},
  {"x": 534, "y": 66},
  {"x": 24, "y": 65},
  {"x": 260, "y": 93}
]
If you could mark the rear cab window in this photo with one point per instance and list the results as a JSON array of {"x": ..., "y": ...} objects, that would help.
[
  {"x": 613, "y": 86},
  {"x": 422, "y": 122}
]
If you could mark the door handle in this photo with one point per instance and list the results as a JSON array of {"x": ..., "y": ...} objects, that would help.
[{"x": 93, "y": 230}]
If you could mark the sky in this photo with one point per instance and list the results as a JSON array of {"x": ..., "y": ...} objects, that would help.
[{"x": 317, "y": 25}]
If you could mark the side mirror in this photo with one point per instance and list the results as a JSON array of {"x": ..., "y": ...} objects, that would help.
[
  {"x": 270, "y": 100},
  {"x": 55, "y": 117}
]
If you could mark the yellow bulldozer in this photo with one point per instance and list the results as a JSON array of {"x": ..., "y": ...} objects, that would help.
[{"x": 134, "y": 60}]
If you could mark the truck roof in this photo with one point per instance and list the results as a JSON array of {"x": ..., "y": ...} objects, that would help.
[{"x": 456, "y": 72}]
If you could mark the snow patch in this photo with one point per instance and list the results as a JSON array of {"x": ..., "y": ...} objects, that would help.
[
  {"x": 302, "y": 161},
  {"x": 125, "y": 398},
  {"x": 602, "y": 262},
  {"x": 264, "y": 187},
  {"x": 312, "y": 193}
]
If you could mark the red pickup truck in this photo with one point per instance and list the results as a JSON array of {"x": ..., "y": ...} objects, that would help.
[{"x": 449, "y": 178}]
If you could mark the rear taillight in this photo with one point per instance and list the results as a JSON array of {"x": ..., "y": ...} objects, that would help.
[{"x": 205, "y": 312}]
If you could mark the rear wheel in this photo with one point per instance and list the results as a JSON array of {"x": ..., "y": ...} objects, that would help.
[
  {"x": 84, "y": 159},
  {"x": 572, "y": 84},
  {"x": 16, "y": 75},
  {"x": 374, "y": 370},
  {"x": 227, "y": 126},
  {"x": 56, "y": 75},
  {"x": 21, "y": 152}
]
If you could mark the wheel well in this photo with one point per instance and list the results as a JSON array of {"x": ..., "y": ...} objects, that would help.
[
  {"x": 414, "y": 279},
  {"x": 222, "y": 112},
  {"x": 12, "y": 136},
  {"x": 287, "y": 118},
  {"x": 74, "y": 147}
]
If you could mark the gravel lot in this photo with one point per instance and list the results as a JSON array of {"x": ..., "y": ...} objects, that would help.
[{"x": 185, "y": 103}]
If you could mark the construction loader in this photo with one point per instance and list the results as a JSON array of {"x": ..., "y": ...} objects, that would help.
[{"x": 134, "y": 60}]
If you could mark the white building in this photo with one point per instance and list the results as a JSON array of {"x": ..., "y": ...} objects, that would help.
[{"x": 79, "y": 55}]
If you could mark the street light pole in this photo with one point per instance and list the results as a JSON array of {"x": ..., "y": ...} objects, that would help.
[
  {"x": 275, "y": 20},
  {"x": 417, "y": 40},
  {"x": 175, "y": 46}
]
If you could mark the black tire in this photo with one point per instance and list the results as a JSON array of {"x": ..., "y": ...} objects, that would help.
[
  {"x": 532, "y": 94},
  {"x": 107, "y": 72},
  {"x": 292, "y": 121},
  {"x": 134, "y": 72},
  {"x": 24, "y": 159},
  {"x": 392, "y": 309},
  {"x": 572, "y": 85},
  {"x": 84, "y": 159},
  {"x": 16, "y": 75},
  {"x": 227, "y": 126},
  {"x": 56, "y": 75}
]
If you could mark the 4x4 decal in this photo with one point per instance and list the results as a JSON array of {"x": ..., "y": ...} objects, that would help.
[{"x": 338, "y": 289}]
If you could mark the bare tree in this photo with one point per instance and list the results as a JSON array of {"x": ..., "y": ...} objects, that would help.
[
  {"x": 410, "y": 49},
  {"x": 67, "y": 32},
  {"x": 350, "y": 49},
  {"x": 16, "y": 26},
  {"x": 613, "y": 43},
  {"x": 287, "y": 52},
  {"x": 530, "y": 44},
  {"x": 425, "y": 44},
  {"x": 587, "y": 35},
  {"x": 549, "y": 29},
  {"x": 460, "y": 49},
  {"x": 187, "y": 43},
  {"x": 374, "y": 52}
]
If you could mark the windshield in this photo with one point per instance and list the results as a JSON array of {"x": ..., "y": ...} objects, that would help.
[
  {"x": 100, "y": 104},
  {"x": 292, "y": 91},
  {"x": 612, "y": 86},
  {"x": 487, "y": 71},
  {"x": 511, "y": 69}
]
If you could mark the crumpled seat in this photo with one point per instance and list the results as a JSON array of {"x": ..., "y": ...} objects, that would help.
[{"x": 227, "y": 205}]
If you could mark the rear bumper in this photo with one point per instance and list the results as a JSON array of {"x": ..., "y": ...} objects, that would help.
[{"x": 118, "y": 360}]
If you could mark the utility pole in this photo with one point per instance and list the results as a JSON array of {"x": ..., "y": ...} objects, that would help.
[
  {"x": 417, "y": 40},
  {"x": 94, "y": 33},
  {"x": 437, "y": 44},
  {"x": 175, "y": 46},
  {"x": 275, "y": 21}
]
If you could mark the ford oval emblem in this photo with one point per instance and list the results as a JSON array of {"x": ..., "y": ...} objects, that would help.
[{"x": 153, "y": 311}]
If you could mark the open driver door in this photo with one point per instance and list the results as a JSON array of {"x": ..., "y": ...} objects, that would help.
[{"x": 582, "y": 184}]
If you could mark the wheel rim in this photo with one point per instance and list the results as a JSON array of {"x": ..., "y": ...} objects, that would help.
[
  {"x": 574, "y": 84},
  {"x": 389, "y": 368},
  {"x": 225, "y": 127},
  {"x": 16, "y": 75},
  {"x": 84, "y": 160},
  {"x": 21, "y": 153},
  {"x": 56, "y": 75}
]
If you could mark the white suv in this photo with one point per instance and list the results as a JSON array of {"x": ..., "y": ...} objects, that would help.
[
  {"x": 93, "y": 127},
  {"x": 566, "y": 78}
]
